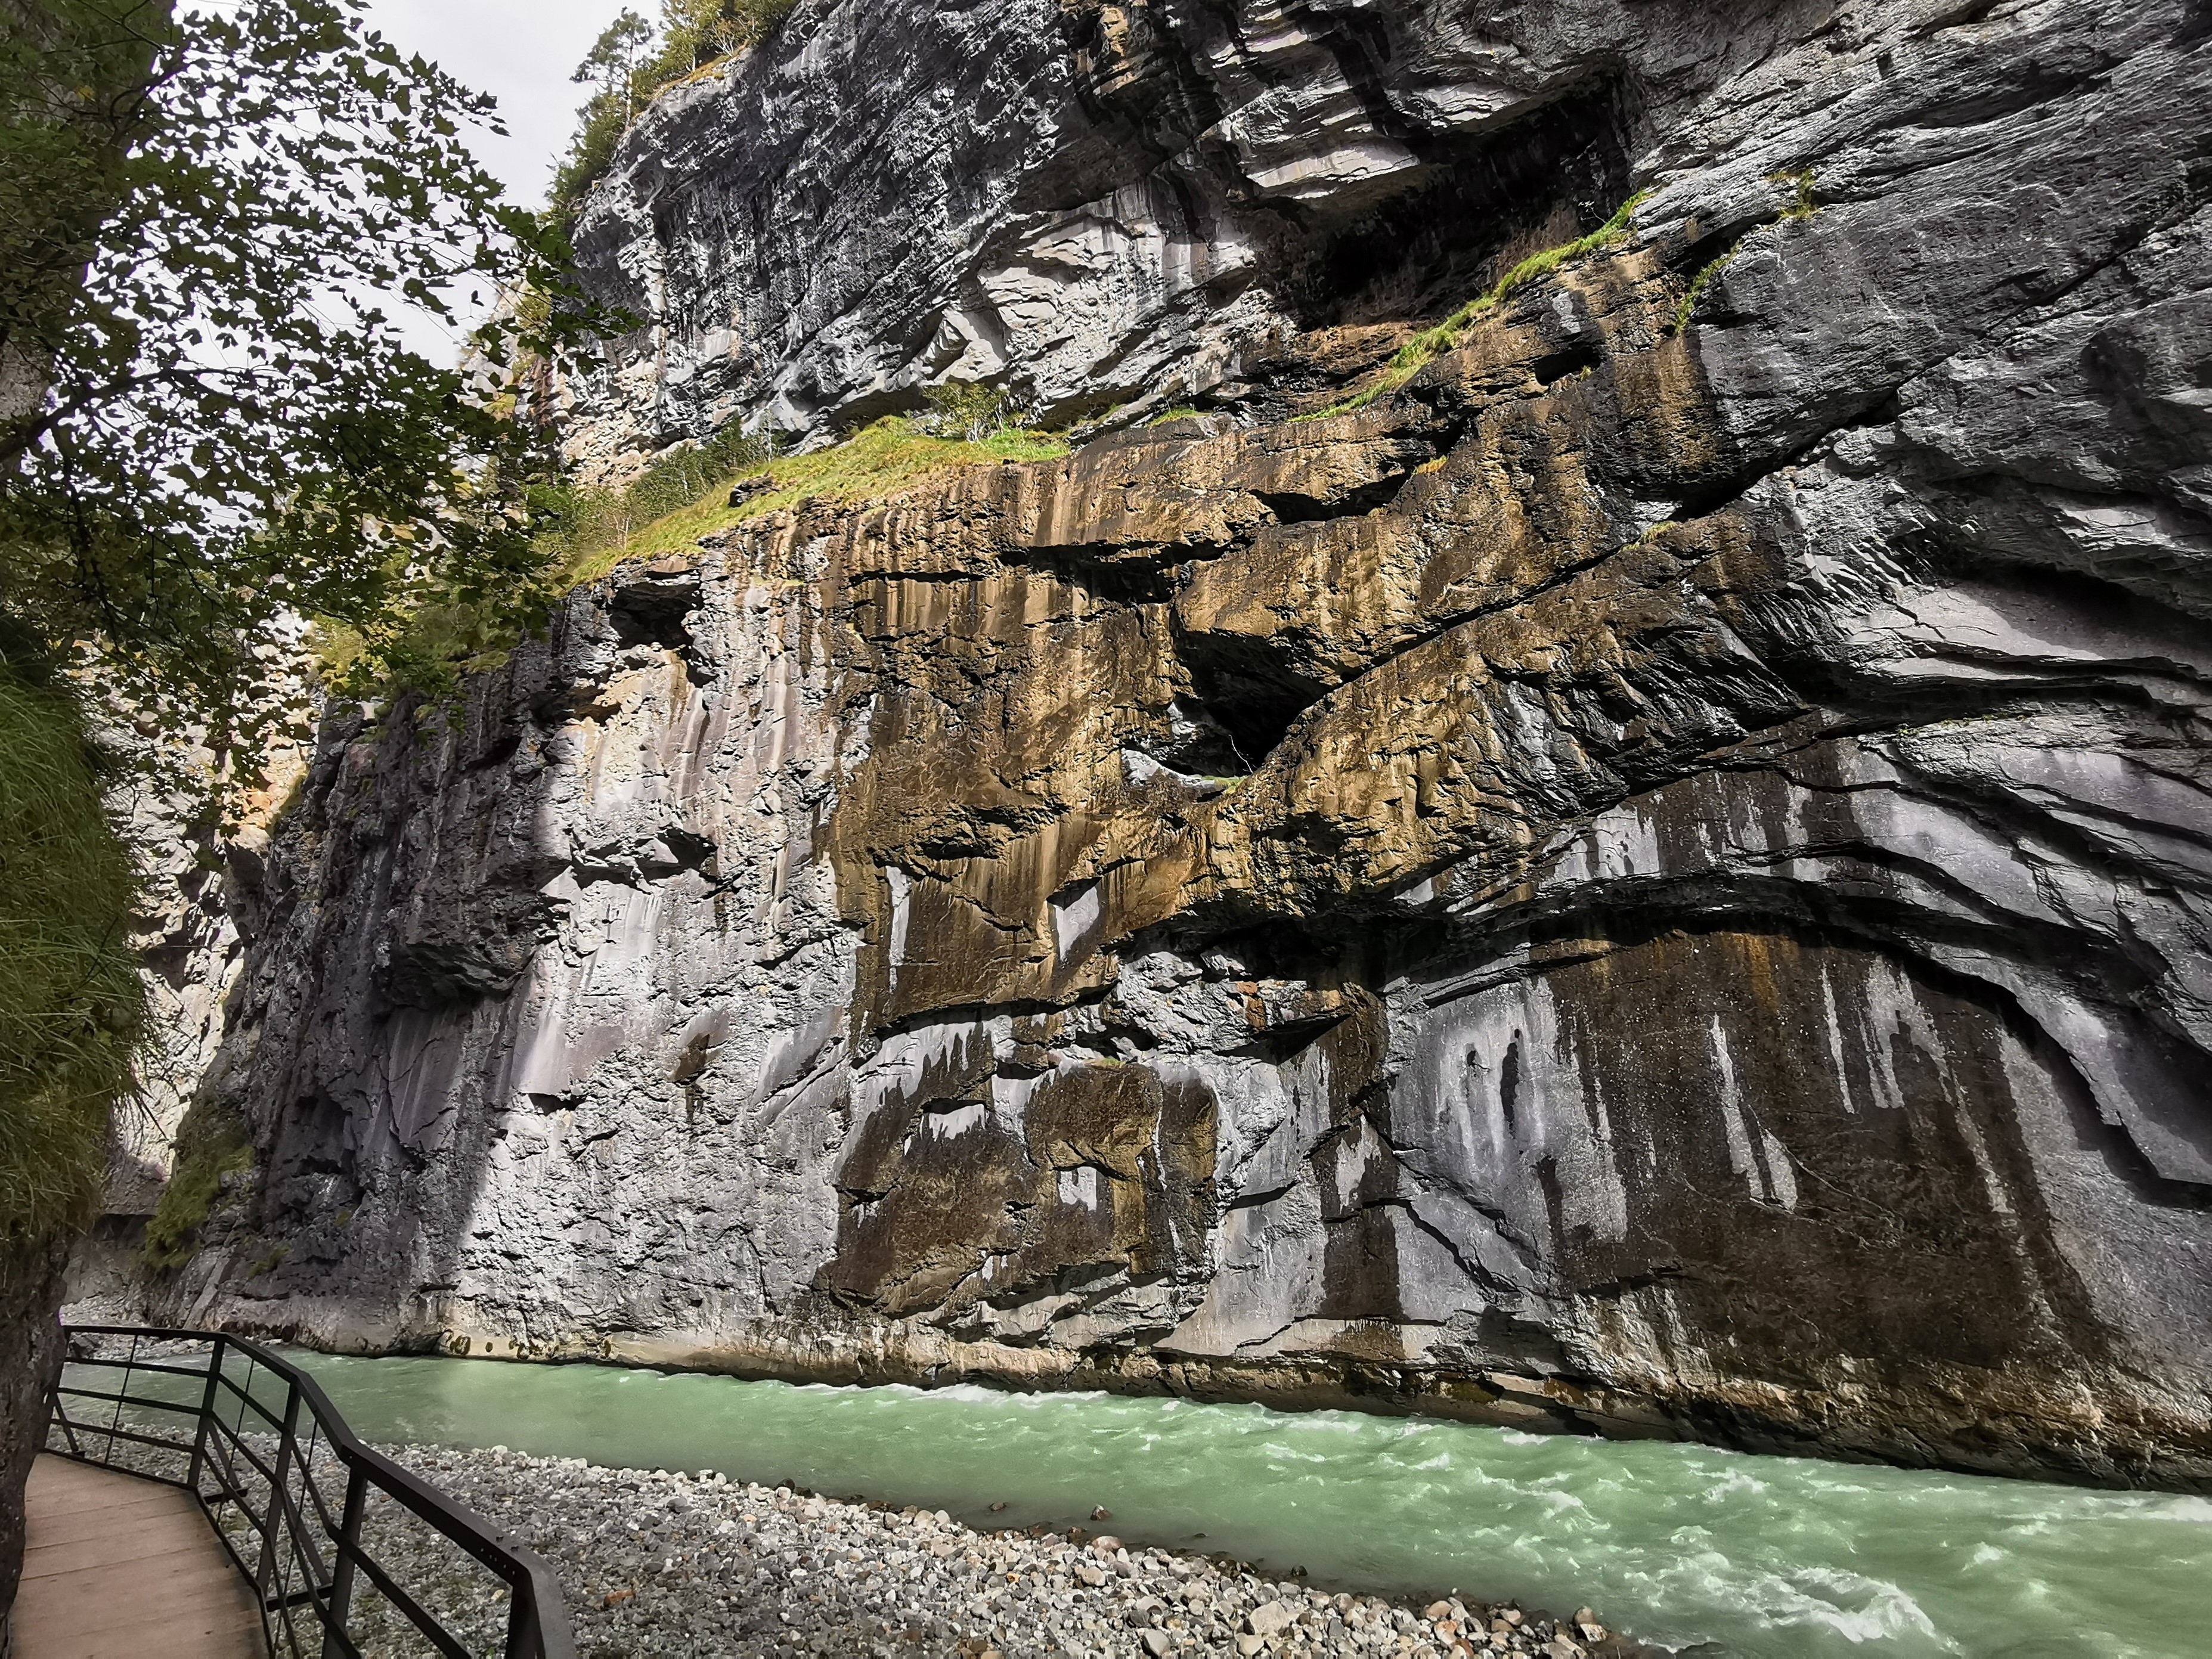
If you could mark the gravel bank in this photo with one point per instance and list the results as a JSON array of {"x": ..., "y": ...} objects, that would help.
[{"x": 675, "y": 1564}]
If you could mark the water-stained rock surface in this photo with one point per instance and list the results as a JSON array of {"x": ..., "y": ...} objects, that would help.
[{"x": 1654, "y": 879}]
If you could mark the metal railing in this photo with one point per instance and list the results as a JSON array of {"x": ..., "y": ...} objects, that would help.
[{"x": 261, "y": 1446}]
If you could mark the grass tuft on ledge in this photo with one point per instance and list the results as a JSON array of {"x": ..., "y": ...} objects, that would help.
[
  {"x": 1803, "y": 206},
  {"x": 877, "y": 461},
  {"x": 1426, "y": 347}
]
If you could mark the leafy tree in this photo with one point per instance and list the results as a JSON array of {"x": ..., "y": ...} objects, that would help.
[
  {"x": 627, "y": 73},
  {"x": 613, "y": 66},
  {"x": 968, "y": 409},
  {"x": 613, "y": 61},
  {"x": 210, "y": 423}
]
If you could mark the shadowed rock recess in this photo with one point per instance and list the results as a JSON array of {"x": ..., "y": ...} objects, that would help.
[{"x": 1654, "y": 879}]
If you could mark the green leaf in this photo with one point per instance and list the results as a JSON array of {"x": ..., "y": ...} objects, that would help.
[{"x": 191, "y": 207}]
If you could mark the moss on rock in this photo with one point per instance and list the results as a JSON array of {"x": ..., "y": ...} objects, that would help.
[{"x": 212, "y": 1144}]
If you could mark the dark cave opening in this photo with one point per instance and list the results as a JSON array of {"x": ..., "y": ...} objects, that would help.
[
  {"x": 653, "y": 610},
  {"x": 1240, "y": 707},
  {"x": 1423, "y": 253}
]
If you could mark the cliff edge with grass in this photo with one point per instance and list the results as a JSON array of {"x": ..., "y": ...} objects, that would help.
[{"x": 1554, "y": 767}]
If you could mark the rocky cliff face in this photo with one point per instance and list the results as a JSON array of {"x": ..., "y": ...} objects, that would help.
[
  {"x": 1100, "y": 205},
  {"x": 1655, "y": 878}
]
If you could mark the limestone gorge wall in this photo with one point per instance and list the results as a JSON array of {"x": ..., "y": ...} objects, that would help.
[
  {"x": 1655, "y": 879},
  {"x": 1106, "y": 205}
]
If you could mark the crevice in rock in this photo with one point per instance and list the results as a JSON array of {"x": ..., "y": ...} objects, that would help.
[
  {"x": 1118, "y": 576},
  {"x": 1314, "y": 509},
  {"x": 1258, "y": 1200},
  {"x": 1575, "y": 359}
]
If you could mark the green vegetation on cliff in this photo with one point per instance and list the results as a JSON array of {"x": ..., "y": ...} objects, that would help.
[
  {"x": 71, "y": 1002},
  {"x": 875, "y": 462},
  {"x": 692, "y": 491},
  {"x": 210, "y": 1145},
  {"x": 627, "y": 66},
  {"x": 1801, "y": 207},
  {"x": 1431, "y": 343}
]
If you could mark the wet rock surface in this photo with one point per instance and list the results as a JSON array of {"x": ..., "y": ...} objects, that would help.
[
  {"x": 1654, "y": 879},
  {"x": 678, "y": 1564}
]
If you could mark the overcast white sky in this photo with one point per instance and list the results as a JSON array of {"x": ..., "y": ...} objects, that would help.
[{"x": 522, "y": 52}]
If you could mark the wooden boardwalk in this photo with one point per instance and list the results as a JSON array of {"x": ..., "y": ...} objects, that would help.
[{"x": 115, "y": 1567}]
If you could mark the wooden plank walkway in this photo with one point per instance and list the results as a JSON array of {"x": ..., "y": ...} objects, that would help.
[{"x": 115, "y": 1567}]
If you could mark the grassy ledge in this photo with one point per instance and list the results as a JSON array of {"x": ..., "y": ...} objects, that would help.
[
  {"x": 875, "y": 461},
  {"x": 1801, "y": 206},
  {"x": 680, "y": 498},
  {"x": 1426, "y": 347}
]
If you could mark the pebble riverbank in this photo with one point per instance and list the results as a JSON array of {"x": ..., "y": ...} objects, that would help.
[{"x": 670, "y": 1564}]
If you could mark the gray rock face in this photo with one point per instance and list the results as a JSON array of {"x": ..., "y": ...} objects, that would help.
[
  {"x": 1654, "y": 879},
  {"x": 1096, "y": 204}
]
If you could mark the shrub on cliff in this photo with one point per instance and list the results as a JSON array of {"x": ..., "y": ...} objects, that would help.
[
  {"x": 968, "y": 410},
  {"x": 696, "y": 32}
]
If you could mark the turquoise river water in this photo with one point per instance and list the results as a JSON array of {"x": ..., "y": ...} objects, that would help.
[{"x": 1679, "y": 1544}]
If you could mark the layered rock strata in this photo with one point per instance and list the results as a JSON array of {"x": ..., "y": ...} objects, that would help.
[
  {"x": 1652, "y": 879},
  {"x": 1111, "y": 206}
]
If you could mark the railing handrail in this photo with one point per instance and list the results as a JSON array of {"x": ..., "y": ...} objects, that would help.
[{"x": 538, "y": 1626}]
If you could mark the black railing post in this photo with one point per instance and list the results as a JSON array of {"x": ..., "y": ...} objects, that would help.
[
  {"x": 347, "y": 1541},
  {"x": 56, "y": 1412},
  {"x": 122, "y": 1392},
  {"x": 281, "y": 1471},
  {"x": 524, "y": 1640},
  {"x": 207, "y": 1411}
]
